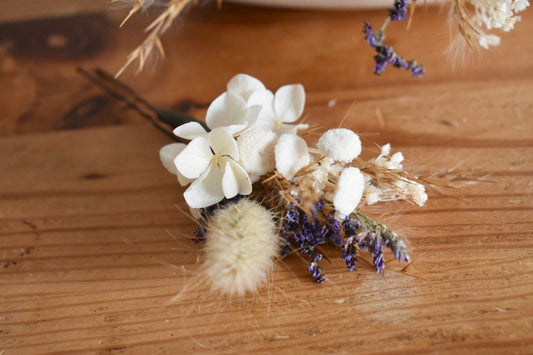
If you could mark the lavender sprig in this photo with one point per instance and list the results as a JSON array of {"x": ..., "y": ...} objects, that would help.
[
  {"x": 316, "y": 270},
  {"x": 386, "y": 54},
  {"x": 379, "y": 234}
]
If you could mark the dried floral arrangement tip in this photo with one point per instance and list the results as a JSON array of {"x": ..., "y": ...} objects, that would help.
[
  {"x": 474, "y": 26},
  {"x": 252, "y": 159}
]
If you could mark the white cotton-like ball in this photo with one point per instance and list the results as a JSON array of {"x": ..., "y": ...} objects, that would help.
[
  {"x": 241, "y": 245},
  {"x": 349, "y": 190},
  {"x": 256, "y": 152},
  {"x": 291, "y": 155},
  {"x": 340, "y": 144}
]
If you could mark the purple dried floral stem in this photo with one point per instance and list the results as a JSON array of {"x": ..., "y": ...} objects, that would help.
[
  {"x": 389, "y": 237},
  {"x": 386, "y": 54}
]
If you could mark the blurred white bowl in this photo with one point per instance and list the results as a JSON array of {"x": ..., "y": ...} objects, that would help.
[{"x": 320, "y": 4}]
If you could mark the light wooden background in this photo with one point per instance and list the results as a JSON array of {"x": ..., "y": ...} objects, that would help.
[{"x": 93, "y": 240}]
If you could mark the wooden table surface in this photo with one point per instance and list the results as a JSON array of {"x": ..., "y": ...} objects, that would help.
[{"x": 93, "y": 240}]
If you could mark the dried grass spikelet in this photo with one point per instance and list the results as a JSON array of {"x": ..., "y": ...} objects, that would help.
[
  {"x": 157, "y": 28},
  {"x": 241, "y": 245}
]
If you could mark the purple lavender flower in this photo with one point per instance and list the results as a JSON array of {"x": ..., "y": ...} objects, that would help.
[
  {"x": 350, "y": 226},
  {"x": 334, "y": 231},
  {"x": 396, "y": 245},
  {"x": 374, "y": 243},
  {"x": 399, "y": 11},
  {"x": 417, "y": 70},
  {"x": 349, "y": 252},
  {"x": 292, "y": 215},
  {"x": 305, "y": 231},
  {"x": 316, "y": 271},
  {"x": 370, "y": 36},
  {"x": 386, "y": 54},
  {"x": 379, "y": 262}
]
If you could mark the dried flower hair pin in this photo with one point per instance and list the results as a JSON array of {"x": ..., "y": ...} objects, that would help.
[{"x": 259, "y": 191}]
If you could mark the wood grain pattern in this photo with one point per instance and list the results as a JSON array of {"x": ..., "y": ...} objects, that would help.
[{"x": 94, "y": 242}]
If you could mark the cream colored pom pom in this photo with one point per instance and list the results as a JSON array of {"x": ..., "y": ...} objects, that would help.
[
  {"x": 241, "y": 244},
  {"x": 340, "y": 144}
]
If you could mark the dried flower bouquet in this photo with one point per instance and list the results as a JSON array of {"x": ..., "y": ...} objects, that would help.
[{"x": 259, "y": 191}]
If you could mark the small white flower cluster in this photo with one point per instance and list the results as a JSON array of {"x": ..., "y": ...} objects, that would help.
[
  {"x": 496, "y": 14},
  {"x": 401, "y": 189},
  {"x": 251, "y": 134}
]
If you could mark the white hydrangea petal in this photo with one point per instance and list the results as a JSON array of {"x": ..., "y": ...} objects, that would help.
[
  {"x": 223, "y": 143},
  {"x": 256, "y": 152},
  {"x": 289, "y": 102},
  {"x": 244, "y": 85},
  {"x": 291, "y": 155},
  {"x": 349, "y": 190},
  {"x": 230, "y": 111},
  {"x": 235, "y": 180},
  {"x": 226, "y": 110},
  {"x": 265, "y": 99},
  {"x": 243, "y": 180},
  {"x": 230, "y": 186},
  {"x": 250, "y": 117},
  {"x": 168, "y": 153},
  {"x": 194, "y": 159},
  {"x": 216, "y": 111},
  {"x": 206, "y": 190},
  {"x": 340, "y": 144},
  {"x": 190, "y": 130}
]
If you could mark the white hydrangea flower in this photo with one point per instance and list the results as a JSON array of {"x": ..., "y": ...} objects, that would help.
[
  {"x": 211, "y": 161},
  {"x": 349, "y": 191},
  {"x": 340, "y": 144},
  {"x": 256, "y": 152},
  {"x": 285, "y": 106},
  {"x": 167, "y": 154},
  {"x": 291, "y": 155}
]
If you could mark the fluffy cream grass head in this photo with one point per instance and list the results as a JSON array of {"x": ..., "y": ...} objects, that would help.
[{"x": 241, "y": 245}]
